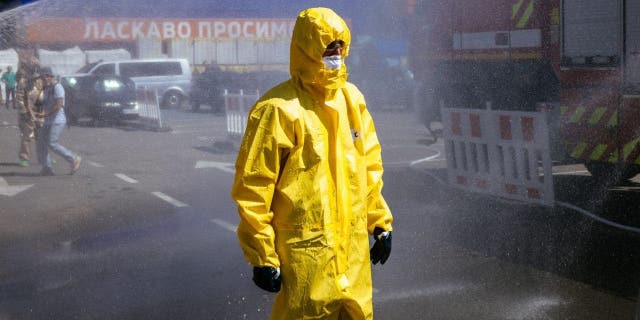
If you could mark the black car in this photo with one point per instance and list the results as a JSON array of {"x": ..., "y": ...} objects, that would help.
[
  {"x": 99, "y": 97},
  {"x": 208, "y": 87}
]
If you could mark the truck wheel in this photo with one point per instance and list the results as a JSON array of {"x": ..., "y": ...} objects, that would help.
[
  {"x": 172, "y": 100},
  {"x": 610, "y": 173}
]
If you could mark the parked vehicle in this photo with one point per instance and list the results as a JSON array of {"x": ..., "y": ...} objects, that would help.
[
  {"x": 208, "y": 87},
  {"x": 577, "y": 60},
  {"x": 171, "y": 77},
  {"x": 99, "y": 97}
]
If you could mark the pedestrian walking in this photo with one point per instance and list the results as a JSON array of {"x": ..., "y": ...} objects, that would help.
[
  {"x": 1, "y": 98},
  {"x": 9, "y": 79},
  {"x": 29, "y": 101},
  {"x": 308, "y": 183},
  {"x": 54, "y": 123}
]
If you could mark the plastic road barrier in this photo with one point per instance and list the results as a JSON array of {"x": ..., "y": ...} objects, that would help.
[
  {"x": 502, "y": 153},
  {"x": 237, "y": 107}
]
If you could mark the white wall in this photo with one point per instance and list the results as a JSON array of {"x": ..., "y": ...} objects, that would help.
[
  {"x": 107, "y": 55},
  {"x": 62, "y": 62}
]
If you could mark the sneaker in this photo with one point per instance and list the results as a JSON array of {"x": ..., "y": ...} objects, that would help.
[
  {"x": 46, "y": 171},
  {"x": 24, "y": 163},
  {"x": 75, "y": 165}
]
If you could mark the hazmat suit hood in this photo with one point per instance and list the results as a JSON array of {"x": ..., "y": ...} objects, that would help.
[{"x": 314, "y": 30}]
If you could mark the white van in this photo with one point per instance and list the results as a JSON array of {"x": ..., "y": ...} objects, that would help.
[{"x": 171, "y": 77}]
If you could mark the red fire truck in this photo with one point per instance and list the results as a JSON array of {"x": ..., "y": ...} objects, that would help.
[{"x": 579, "y": 59}]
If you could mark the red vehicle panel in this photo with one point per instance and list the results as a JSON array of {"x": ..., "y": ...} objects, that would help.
[
  {"x": 465, "y": 53},
  {"x": 508, "y": 54}
]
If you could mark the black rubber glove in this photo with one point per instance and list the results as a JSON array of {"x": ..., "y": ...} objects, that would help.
[
  {"x": 382, "y": 247},
  {"x": 267, "y": 278}
]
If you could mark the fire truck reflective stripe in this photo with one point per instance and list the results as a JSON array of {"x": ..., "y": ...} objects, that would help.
[
  {"x": 516, "y": 8},
  {"x": 613, "y": 121},
  {"x": 526, "y": 38},
  {"x": 505, "y": 127},
  {"x": 523, "y": 38},
  {"x": 578, "y": 150},
  {"x": 496, "y": 56},
  {"x": 555, "y": 16},
  {"x": 598, "y": 151},
  {"x": 577, "y": 115},
  {"x": 485, "y": 56},
  {"x": 597, "y": 115},
  {"x": 627, "y": 150},
  {"x": 629, "y": 147},
  {"x": 525, "y": 17}
]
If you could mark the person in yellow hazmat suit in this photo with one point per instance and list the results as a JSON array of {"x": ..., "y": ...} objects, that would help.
[{"x": 308, "y": 183}]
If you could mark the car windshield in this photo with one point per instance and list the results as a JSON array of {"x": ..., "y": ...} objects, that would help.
[
  {"x": 87, "y": 67},
  {"x": 201, "y": 159}
]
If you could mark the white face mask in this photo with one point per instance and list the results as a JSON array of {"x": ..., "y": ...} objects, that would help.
[{"x": 332, "y": 62}]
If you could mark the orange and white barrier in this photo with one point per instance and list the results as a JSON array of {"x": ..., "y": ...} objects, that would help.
[
  {"x": 503, "y": 153},
  {"x": 237, "y": 107}
]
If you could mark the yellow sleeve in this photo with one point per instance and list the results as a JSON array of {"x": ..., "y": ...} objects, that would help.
[
  {"x": 264, "y": 146},
  {"x": 379, "y": 214}
]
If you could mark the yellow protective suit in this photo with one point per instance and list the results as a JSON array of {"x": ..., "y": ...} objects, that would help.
[{"x": 308, "y": 182}]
